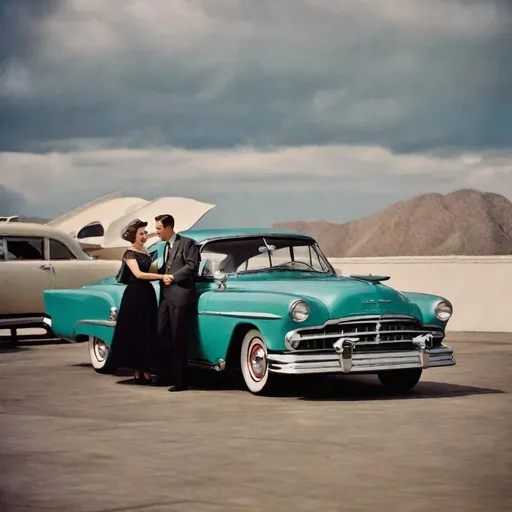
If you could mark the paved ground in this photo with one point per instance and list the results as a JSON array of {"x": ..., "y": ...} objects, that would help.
[{"x": 73, "y": 440}]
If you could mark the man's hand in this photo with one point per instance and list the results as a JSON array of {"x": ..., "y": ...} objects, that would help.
[{"x": 168, "y": 279}]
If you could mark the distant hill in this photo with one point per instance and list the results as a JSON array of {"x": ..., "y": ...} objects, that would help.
[{"x": 465, "y": 222}]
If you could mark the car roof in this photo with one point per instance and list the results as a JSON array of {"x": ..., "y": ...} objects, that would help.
[
  {"x": 28, "y": 229},
  {"x": 31, "y": 229},
  {"x": 201, "y": 235}
]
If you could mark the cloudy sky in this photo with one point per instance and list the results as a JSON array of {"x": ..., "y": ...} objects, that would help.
[{"x": 271, "y": 109}]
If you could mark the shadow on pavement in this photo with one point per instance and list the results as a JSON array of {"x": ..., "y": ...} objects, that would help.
[
  {"x": 7, "y": 345},
  {"x": 337, "y": 389},
  {"x": 7, "y": 348},
  {"x": 315, "y": 388}
]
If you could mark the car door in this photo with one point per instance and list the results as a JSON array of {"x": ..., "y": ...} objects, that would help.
[
  {"x": 71, "y": 272},
  {"x": 24, "y": 274}
]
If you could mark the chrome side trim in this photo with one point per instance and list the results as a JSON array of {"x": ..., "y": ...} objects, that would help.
[
  {"x": 104, "y": 323},
  {"x": 242, "y": 314},
  {"x": 348, "y": 361}
]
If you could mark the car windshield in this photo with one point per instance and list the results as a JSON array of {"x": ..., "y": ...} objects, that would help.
[{"x": 268, "y": 254}]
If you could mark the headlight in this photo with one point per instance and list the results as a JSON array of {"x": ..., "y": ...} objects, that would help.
[
  {"x": 444, "y": 311},
  {"x": 299, "y": 311}
]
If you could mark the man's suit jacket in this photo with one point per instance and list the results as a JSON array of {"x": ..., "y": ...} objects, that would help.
[{"x": 183, "y": 263}]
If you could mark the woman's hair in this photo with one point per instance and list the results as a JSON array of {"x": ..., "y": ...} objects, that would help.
[{"x": 130, "y": 232}]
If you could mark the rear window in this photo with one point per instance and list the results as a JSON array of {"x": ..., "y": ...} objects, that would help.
[{"x": 59, "y": 251}]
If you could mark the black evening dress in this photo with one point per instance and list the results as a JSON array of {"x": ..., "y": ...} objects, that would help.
[{"x": 134, "y": 343}]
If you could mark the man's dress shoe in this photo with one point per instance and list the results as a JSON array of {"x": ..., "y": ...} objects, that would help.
[
  {"x": 178, "y": 388},
  {"x": 162, "y": 381}
]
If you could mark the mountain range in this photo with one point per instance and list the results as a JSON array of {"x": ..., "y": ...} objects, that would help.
[{"x": 464, "y": 222}]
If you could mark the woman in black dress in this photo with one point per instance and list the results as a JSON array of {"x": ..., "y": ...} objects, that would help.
[{"x": 135, "y": 337}]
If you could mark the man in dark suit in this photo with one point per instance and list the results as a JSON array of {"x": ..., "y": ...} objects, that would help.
[{"x": 178, "y": 300}]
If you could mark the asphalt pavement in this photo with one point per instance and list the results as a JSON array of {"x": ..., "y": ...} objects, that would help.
[{"x": 73, "y": 440}]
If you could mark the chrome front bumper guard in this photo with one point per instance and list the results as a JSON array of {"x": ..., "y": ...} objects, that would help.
[{"x": 346, "y": 360}]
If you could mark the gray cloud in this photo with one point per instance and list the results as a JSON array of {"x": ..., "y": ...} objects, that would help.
[
  {"x": 11, "y": 202},
  {"x": 413, "y": 76},
  {"x": 252, "y": 187},
  {"x": 20, "y": 26}
]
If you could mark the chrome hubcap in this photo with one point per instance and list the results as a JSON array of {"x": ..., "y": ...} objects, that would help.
[
  {"x": 100, "y": 350},
  {"x": 257, "y": 361}
]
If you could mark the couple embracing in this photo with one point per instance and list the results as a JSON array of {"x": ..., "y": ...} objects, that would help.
[{"x": 147, "y": 338}]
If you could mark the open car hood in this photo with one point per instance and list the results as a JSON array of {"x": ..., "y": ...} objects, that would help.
[{"x": 186, "y": 212}]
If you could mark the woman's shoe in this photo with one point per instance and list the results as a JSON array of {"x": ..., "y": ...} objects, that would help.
[
  {"x": 139, "y": 380},
  {"x": 147, "y": 381}
]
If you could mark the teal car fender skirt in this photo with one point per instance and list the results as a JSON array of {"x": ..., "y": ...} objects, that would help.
[
  {"x": 101, "y": 329},
  {"x": 72, "y": 311}
]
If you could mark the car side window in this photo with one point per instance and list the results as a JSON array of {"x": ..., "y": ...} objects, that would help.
[
  {"x": 21, "y": 248},
  {"x": 59, "y": 251},
  {"x": 3, "y": 249},
  {"x": 306, "y": 254}
]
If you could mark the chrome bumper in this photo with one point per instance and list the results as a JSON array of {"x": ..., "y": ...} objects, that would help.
[
  {"x": 348, "y": 361},
  {"x": 24, "y": 322}
]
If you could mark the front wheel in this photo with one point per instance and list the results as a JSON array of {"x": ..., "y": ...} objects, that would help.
[
  {"x": 254, "y": 362},
  {"x": 98, "y": 352},
  {"x": 400, "y": 381}
]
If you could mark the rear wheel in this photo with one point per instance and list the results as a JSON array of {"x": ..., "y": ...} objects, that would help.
[
  {"x": 400, "y": 381},
  {"x": 254, "y": 362},
  {"x": 99, "y": 352}
]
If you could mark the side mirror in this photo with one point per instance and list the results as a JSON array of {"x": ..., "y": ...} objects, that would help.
[{"x": 220, "y": 278}]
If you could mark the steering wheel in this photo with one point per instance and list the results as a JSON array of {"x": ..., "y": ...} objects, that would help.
[{"x": 294, "y": 264}]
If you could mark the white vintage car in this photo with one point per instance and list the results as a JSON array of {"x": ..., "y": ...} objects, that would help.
[{"x": 36, "y": 257}]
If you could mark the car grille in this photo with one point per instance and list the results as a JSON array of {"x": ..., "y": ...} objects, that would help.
[{"x": 395, "y": 333}]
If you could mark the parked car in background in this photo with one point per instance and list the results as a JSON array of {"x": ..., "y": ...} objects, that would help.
[
  {"x": 33, "y": 258},
  {"x": 271, "y": 303}
]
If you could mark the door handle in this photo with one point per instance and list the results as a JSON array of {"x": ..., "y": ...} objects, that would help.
[{"x": 46, "y": 266}]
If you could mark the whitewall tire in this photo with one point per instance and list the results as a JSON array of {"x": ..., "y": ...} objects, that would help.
[
  {"x": 99, "y": 352},
  {"x": 254, "y": 362}
]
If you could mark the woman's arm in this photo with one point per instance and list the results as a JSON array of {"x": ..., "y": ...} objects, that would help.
[{"x": 134, "y": 267}]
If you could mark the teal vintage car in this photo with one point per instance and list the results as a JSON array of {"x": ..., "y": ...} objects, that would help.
[{"x": 269, "y": 303}]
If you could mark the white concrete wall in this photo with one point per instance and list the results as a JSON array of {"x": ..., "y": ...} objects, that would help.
[{"x": 480, "y": 288}]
